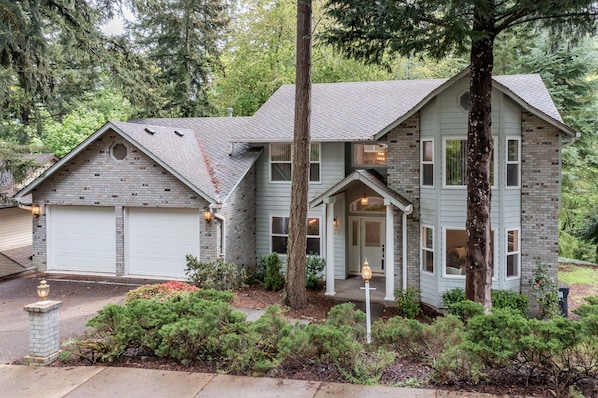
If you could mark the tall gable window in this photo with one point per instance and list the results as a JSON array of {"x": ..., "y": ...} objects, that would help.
[
  {"x": 427, "y": 247},
  {"x": 513, "y": 162},
  {"x": 427, "y": 160},
  {"x": 370, "y": 155},
  {"x": 281, "y": 162},
  {"x": 280, "y": 235},
  {"x": 512, "y": 253},
  {"x": 455, "y": 163}
]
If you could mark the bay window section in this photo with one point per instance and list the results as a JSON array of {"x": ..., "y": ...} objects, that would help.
[
  {"x": 427, "y": 163},
  {"x": 281, "y": 161},
  {"x": 280, "y": 235},
  {"x": 455, "y": 163},
  {"x": 427, "y": 249}
]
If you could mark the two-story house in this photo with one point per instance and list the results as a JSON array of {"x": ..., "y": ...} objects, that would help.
[{"x": 387, "y": 183}]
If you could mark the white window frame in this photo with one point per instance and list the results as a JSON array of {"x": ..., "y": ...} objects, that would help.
[
  {"x": 462, "y": 138},
  {"x": 516, "y": 253},
  {"x": 424, "y": 248},
  {"x": 272, "y": 234},
  {"x": 510, "y": 162},
  {"x": 319, "y": 162},
  {"x": 444, "y": 251},
  {"x": 427, "y": 162}
]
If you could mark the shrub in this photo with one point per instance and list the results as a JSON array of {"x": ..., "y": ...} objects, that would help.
[
  {"x": 545, "y": 291},
  {"x": 464, "y": 310},
  {"x": 160, "y": 291},
  {"x": 408, "y": 302},
  {"x": 273, "y": 278},
  {"x": 500, "y": 299},
  {"x": 218, "y": 275},
  {"x": 314, "y": 265}
]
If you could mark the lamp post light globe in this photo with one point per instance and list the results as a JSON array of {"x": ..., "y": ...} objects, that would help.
[
  {"x": 43, "y": 290},
  {"x": 366, "y": 271}
]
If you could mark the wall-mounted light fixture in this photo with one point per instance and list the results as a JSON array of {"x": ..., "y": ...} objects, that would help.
[
  {"x": 36, "y": 210},
  {"x": 335, "y": 222},
  {"x": 208, "y": 216}
]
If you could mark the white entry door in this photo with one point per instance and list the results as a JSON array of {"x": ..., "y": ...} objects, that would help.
[{"x": 367, "y": 237}]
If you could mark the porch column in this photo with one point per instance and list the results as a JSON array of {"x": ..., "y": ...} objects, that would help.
[
  {"x": 329, "y": 216},
  {"x": 389, "y": 253}
]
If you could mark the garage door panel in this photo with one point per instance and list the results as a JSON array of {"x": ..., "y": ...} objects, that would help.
[
  {"x": 159, "y": 239},
  {"x": 82, "y": 239}
]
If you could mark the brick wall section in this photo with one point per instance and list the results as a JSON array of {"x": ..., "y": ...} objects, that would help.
[
  {"x": 540, "y": 196},
  {"x": 240, "y": 224},
  {"x": 43, "y": 332},
  {"x": 403, "y": 177},
  {"x": 94, "y": 178}
]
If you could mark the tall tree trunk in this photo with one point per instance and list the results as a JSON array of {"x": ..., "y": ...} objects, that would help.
[
  {"x": 294, "y": 295},
  {"x": 479, "y": 265}
]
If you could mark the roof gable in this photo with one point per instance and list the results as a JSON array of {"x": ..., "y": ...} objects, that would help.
[{"x": 362, "y": 111}]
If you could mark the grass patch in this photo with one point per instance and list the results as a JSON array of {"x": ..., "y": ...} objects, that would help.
[{"x": 578, "y": 275}]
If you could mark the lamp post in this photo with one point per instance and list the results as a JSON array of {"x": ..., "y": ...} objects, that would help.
[
  {"x": 43, "y": 290},
  {"x": 366, "y": 274}
]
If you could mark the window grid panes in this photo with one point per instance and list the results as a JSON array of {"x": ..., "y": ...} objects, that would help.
[
  {"x": 512, "y": 253},
  {"x": 427, "y": 243},
  {"x": 281, "y": 162},
  {"x": 280, "y": 235},
  {"x": 513, "y": 162},
  {"x": 427, "y": 162}
]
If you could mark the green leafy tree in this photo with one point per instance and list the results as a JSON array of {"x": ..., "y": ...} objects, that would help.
[
  {"x": 372, "y": 30},
  {"x": 181, "y": 37}
]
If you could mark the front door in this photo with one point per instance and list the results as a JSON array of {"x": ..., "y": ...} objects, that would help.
[{"x": 367, "y": 239}]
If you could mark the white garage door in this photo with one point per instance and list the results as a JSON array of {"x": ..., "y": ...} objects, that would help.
[
  {"x": 157, "y": 241},
  {"x": 81, "y": 239}
]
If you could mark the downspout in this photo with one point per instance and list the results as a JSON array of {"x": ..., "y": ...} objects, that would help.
[
  {"x": 408, "y": 210},
  {"x": 214, "y": 210}
]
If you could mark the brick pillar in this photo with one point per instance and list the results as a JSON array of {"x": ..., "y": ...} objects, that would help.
[{"x": 43, "y": 333}]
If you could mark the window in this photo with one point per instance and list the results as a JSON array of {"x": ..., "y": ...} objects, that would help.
[
  {"x": 427, "y": 159},
  {"x": 455, "y": 252},
  {"x": 464, "y": 101},
  {"x": 372, "y": 155},
  {"x": 280, "y": 235},
  {"x": 281, "y": 162},
  {"x": 119, "y": 151},
  {"x": 512, "y": 253},
  {"x": 513, "y": 162},
  {"x": 455, "y": 163},
  {"x": 427, "y": 244},
  {"x": 455, "y": 160}
]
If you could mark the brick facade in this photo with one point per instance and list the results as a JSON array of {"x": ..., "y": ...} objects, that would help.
[
  {"x": 94, "y": 178},
  {"x": 403, "y": 177},
  {"x": 540, "y": 196}
]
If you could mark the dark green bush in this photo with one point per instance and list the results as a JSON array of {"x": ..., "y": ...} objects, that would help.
[
  {"x": 464, "y": 310},
  {"x": 273, "y": 278},
  {"x": 455, "y": 295},
  {"x": 500, "y": 299},
  {"x": 314, "y": 265},
  {"x": 408, "y": 302},
  {"x": 218, "y": 275},
  {"x": 590, "y": 308}
]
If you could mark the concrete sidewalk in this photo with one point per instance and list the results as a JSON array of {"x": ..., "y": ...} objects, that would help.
[{"x": 100, "y": 382}]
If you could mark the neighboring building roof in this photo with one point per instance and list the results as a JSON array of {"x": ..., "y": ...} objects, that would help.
[{"x": 362, "y": 111}]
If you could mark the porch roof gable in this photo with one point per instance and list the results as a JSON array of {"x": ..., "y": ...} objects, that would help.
[{"x": 372, "y": 181}]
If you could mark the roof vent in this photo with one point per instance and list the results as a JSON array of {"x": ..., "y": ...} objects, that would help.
[
  {"x": 178, "y": 133},
  {"x": 230, "y": 112},
  {"x": 150, "y": 131}
]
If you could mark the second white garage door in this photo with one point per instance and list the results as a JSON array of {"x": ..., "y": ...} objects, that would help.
[{"x": 157, "y": 241}]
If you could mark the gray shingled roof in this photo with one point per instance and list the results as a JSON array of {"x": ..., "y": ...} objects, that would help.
[
  {"x": 212, "y": 165},
  {"x": 361, "y": 110}
]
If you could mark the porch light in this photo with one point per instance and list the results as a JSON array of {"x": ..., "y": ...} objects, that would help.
[
  {"x": 366, "y": 271},
  {"x": 208, "y": 216},
  {"x": 335, "y": 222},
  {"x": 366, "y": 274},
  {"x": 364, "y": 200},
  {"x": 43, "y": 290},
  {"x": 36, "y": 210}
]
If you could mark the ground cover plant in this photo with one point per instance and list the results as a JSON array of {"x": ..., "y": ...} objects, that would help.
[{"x": 503, "y": 352}]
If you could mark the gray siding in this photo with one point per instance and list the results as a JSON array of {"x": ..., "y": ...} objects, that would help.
[
  {"x": 274, "y": 198},
  {"x": 15, "y": 228}
]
